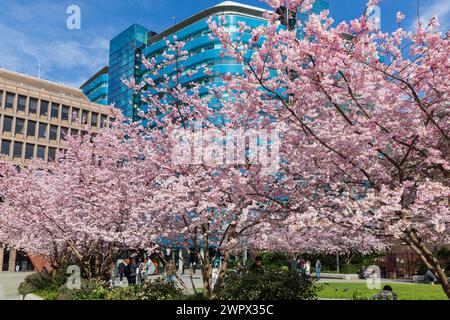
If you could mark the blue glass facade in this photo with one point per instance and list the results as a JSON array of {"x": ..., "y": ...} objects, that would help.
[
  {"x": 96, "y": 88},
  {"x": 203, "y": 52},
  {"x": 124, "y": 61},
  {"x": 126, "y": 50}
]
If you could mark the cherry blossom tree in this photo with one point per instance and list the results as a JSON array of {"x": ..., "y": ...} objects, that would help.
[
  {"x": 360, "y": 142},
  {"x": 367, "y": 139},
  {"x": 205, "y": 199},
  {"x": 88, "y": 203}
]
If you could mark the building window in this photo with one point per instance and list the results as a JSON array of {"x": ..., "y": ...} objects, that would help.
[
  {"x": 1, "y": 99},
  {"x": 74, "y": 132},
  {"x": 29, "y": 151},
  {"x": 7, "y": 124},
  {"x": 40, "y": 152},
  {"x": 65, "y": 113},
  {"x": 21, "y": 104},
  {"x": 6, "y": 146},
  {"x": 75, "y": 115},
  {"x": 19, "y": 125},
  {"x": 31, "y": 129},
  {"x": 17, "y": 149},
  {"x": 103, "y": 120},
  {"x": 55, "y": 111},
  {"x": 32, "y": 106},
  {"x": 64, "y": 132},
  {"x": 51, "y": 154},
  {"x": 9, "y": 104},
  {"x": 43, "y": 130},
  {"x": 44, "y": 108},
  {"x": 94, "y": 119},
  {"x": 84, "y": 117},
  {"x": 53, "y": 133}
]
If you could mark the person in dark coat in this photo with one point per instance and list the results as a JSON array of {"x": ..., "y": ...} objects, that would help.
[
  {"x": 257, "y": 265},
  {"x": 131, "y": 272}
]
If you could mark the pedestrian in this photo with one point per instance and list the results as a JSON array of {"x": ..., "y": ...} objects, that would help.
[
  {"x": 170, "y": 271},
  {"x": 308, "y": 267},
  {"x": 430, "y": 278},
  {"x": 318, "y": 268},
  {"x": 131, "y": 273},
  {"x": 121, "y": 266},
  {"x": 386, "y": 294},
  {"x": 257, "y": 265},
  {"x": 301, "y": 266},
  {"x": 293, "y": 264},
  {"x": 143, "y": 270}
]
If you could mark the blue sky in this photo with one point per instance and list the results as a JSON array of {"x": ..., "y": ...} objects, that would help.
[{"x": 34, "y": 32}]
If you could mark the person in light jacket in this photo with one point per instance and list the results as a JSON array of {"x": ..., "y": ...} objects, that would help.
[{"x": 318, "y": 268}]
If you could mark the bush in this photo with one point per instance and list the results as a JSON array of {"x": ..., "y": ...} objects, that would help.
[
  {"x": 274, "y": 260},
  {"x": 158, "y": 289},
  {"x": 90, "y": 290},
  {"x": 269, "y": 285},
  {"x": 43, "y": 281},
  {"x": 350, "y": 269}
]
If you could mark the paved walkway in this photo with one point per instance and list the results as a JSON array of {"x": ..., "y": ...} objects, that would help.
[
  {"x": 324, "y": 280},
  {"x": 9, "y": 285}
]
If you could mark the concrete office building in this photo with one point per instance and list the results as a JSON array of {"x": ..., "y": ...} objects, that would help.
[{"x": 35, "y": 117}]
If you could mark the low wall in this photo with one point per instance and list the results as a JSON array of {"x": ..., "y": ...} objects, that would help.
[{"x": 338, "y": 276}]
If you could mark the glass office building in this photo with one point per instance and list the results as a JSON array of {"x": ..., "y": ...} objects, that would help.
[
  {"x": 96, "y": 88},
  {"x": 124, "y": 62},
  {"x": 204, "y": 52}
]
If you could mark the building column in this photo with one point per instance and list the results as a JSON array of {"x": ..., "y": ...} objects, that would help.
[
  {"x": 12, "y": 260},
  {"x": 2, "y": 252}
]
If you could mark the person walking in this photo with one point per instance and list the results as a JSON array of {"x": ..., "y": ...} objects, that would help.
[
  {"x": 293, "y": 264},
  {"x": 318, "y": 268},
  {"x": 308, "y": 268},
  {"x": 121, "y": 266},
  {"x": 131, "y": 273},
  {"x": 301, "y": 266},
  {"x": 170, "y": 271}
]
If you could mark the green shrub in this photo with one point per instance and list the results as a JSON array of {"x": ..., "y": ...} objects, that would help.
[
  {"x": 359, "y": 296},
  {"x": 350, "y": 268},
  {"x": 269, "y": 285},
  {"x": 158, "y": 289},
  {"x": 190, "y": 297},
  {"x": 90, "y": 290},
  {"x": 274, "y": 260},
  {"x": 43, "y": 281}
]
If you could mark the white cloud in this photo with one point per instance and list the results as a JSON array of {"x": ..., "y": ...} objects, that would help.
[
  {"x": 439, "y": 8},
  {"x": 34, "y": 33}
]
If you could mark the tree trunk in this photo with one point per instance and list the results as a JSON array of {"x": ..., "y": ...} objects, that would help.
[
  {"x": 429, "y": 259},
  {"x": 223, "y": 271}
]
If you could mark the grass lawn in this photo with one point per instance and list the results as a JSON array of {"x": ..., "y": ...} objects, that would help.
[{"x": 404, "y": 291}]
